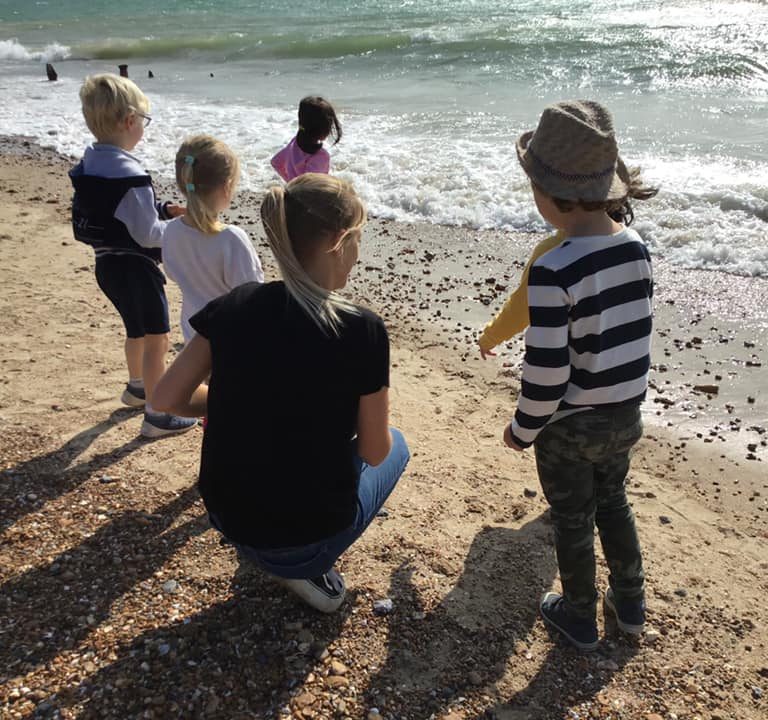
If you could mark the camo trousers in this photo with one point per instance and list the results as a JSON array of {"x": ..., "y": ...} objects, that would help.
[{"x": 582, "y": 462}]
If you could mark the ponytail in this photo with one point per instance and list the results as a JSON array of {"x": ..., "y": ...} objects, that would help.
[
  {"x": 295, "y": 218},
  {"x": 203, "y": 166}
]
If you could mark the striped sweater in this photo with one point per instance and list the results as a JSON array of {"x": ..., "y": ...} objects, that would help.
[{"x": 589, "y": 341}]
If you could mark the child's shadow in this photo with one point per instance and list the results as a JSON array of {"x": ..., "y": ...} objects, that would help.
[{"x": 467, "y": 640}]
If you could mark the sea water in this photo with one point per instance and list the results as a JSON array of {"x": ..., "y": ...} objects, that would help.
[{"x": 432, "y": 95}]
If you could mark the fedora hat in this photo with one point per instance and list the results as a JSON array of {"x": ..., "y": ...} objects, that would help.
[{"x": 572, "y": 153}]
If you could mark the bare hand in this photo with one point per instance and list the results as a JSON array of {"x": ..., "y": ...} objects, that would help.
[
  {"x": 175, "y": 210},
  {"x": 485, "y": 353},
  {"x": 509, "y": 442}
]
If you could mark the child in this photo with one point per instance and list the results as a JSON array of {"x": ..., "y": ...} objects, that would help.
[
  {"x": 586, "y": 362},
  {"x": 115, "y": 211},
  {"x": 305, "y": 153},
  {"x": 205, "y": 257}
]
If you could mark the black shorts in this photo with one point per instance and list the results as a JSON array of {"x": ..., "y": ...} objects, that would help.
[{"x": 134, "y": 285}]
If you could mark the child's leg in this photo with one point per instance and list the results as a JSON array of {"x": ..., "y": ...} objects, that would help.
[
  {"x": 568, "y": 484},
  {"x": 153, "y": 362},
  {"x": 134, "y": 357},
  {"x": 614, "y": 517}
]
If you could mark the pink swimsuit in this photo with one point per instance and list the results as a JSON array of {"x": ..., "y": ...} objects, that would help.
[{"x": 292, "y": 161}]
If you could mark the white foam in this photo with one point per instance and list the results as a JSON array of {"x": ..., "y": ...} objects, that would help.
[
  {"x": 712, "y": 211},
  {"x": 13, "y": 50}
]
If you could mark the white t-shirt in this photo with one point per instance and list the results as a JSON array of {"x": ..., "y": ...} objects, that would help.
[{"x": 207, "y": 266}]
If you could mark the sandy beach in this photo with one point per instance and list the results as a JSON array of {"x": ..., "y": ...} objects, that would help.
[{"x": 119, "y": 601}]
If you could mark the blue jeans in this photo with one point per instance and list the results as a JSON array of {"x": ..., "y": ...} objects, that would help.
[{"x": 309, "y": 561}]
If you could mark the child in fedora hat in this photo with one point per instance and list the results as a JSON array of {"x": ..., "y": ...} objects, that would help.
[{"x": 586, "y": 363}]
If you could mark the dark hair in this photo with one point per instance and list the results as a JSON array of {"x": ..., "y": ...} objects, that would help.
[
  {"x": 619, "y": 209},
  {"x": 317, "y": 120}
]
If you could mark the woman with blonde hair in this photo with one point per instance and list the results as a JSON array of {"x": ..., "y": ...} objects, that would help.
[{"x": 298, "y": 456}]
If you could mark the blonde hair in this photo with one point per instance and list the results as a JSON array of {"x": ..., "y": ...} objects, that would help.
[
  {"x": 107, "y": 100},
  {"x": 203, "y": 166},
  {"x": 311, "y": 208}
]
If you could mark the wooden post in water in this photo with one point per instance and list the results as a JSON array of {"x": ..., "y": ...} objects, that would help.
[
  {"x": 51, "y": 72},
  {"x": 123, "y": 70}
]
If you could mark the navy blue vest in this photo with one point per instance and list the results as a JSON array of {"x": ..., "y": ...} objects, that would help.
[{"x": 93, "y": 211}]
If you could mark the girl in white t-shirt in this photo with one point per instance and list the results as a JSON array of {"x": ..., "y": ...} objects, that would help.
[{"x": 205, "y": 257}]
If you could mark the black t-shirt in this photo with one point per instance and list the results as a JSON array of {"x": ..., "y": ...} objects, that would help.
[{"x": 277, "y": 466}]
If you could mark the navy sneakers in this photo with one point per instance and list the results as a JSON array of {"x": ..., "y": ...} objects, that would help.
[
  {"x": 630, "y": 614},
  {"x": 580, "y": 632},
  {"x": 324, "y": 593},
  {"x": 133, "y": 396},
  {"x": 155, "y": 426}
]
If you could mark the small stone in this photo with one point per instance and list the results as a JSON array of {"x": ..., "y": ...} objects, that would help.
[
  {"x": 653, "y": 716},
  {"x": 607, "y": 665},
  {"x": 652, "y": 636},
  {"x": 305, "y": 699},
  {"x": 374, "y": 714},
  {"x": 383, "y": 606},
  {"x": 757, "y": 692},
  {"x": 336, "y": 681},
  {"x": 31, "y": 497},
  {"x": 530, "y": 493},
  {"x": 163, "y": 648},
  {"x": 170, "y": 586},
  {"x": 144, "y": 667},
  {"x": 475, "y": 678},
  {"x": 106, "y": 479},
  {"x": 665, "y": 519},
  {"x": 681, "y": 592},
  {"x": 383, "y": 513},
  {"x": 213, "y": 705},
  {"x": 338, "y": 668}
]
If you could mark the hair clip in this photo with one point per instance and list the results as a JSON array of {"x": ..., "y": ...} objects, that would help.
[
  {"x": 190, "y": 187},
  {"x": 190, "y": 160}
]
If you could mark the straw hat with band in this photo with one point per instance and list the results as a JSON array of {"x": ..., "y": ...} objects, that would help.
[{"x": 572, "y": 154}]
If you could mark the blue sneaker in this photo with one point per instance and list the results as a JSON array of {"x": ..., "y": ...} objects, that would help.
[
  {"x": 161, "y": 424},
  {"x": 133, "y": 396},
  {"x": 630, "y": 614},
  {"x": 580, "y": 632}
]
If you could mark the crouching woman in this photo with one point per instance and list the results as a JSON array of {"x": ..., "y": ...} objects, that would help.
[{"x": 298, "y": 456}]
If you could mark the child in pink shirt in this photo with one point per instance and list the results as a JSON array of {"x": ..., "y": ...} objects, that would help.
[{"x": 305, "y": 153}]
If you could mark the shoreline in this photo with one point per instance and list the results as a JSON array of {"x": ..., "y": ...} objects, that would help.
[{"x": 88, "y": 512}]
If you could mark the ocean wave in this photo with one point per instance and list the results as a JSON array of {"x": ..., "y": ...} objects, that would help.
[{"x": 13, "y": 50}]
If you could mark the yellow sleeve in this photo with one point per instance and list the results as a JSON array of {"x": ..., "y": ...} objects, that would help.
[{"x": 513, "y": 317}]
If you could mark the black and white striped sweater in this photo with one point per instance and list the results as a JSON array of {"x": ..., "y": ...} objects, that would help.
[{"x": 589, "y": 341}]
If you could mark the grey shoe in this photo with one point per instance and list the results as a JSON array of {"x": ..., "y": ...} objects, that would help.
[
  {"x": 133, "y": 396},
  {"x": 160, "y": 425},
  {"x": 324, "y": 593}
]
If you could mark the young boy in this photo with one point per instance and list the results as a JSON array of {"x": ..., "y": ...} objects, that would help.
[
  {"x": 586, "y": 363},
  {"x": 115, "y": 211}
]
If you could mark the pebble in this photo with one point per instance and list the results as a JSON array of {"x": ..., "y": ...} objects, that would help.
[
  {"x": 163, "y": 648},
  {"x": 681, "y": 592},
  {"x": 651, "y": 636},
  {"x": 105, "y": 479},
  {"x": 383, "y": 606},
  {"x": 607, "y": 665},
  {"x": 170, "y": 586},
  {"x": 530, "y": 493},
  {"x": 374, "y": 714},
  {"x": 757, "y": 692},
  {"x": 338, "y": 668},
  {"x": 665, "y": 519},
  {"x": 475, "y": 678}
]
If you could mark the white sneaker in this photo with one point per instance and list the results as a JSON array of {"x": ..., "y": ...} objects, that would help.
[{"x": 324, "y": 593}]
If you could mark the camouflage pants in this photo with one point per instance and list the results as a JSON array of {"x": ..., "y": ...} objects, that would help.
[{"x": 583, "y": 461}]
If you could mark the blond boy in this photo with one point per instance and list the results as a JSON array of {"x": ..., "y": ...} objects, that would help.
[{"x": 115, "y": 211}]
